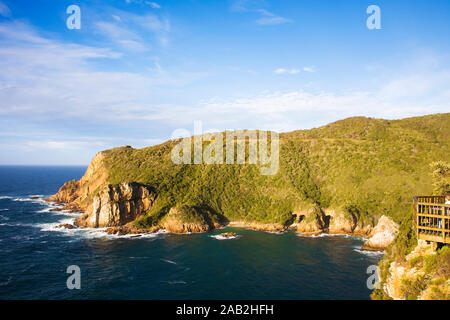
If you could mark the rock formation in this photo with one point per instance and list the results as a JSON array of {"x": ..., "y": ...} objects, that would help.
[
  {"x": 412, "y": 278},
  {"x": 317, "y": 220},
  {"x": 382, "y": 235},
  {"x": 117, "y": 205},
  {"x": 187, "y": 219}
]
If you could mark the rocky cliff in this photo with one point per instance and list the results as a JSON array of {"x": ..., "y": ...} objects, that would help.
[
  {"x": 77, "y": 195},
  {"x": 117, "y": 205},
  {"x": 317, "y": 220},
  {"x": 382, "y": 235},
  {"x": 423, "y": 275}
]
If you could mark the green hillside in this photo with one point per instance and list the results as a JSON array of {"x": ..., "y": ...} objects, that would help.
[{"x": 361, "y": 166}]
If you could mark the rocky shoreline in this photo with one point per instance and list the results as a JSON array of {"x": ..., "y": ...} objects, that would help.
[
  {"x": 378, "y": 239},
  {"x": 116, "y": 207}
]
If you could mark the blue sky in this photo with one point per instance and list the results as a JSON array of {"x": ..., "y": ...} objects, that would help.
[{"x": 137, "y": 70}]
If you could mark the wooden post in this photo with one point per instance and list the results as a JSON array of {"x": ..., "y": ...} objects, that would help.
[{"x": 443, "y": 223}]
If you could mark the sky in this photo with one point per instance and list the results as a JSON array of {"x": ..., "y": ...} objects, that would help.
[{"x": 136, "y": 71}]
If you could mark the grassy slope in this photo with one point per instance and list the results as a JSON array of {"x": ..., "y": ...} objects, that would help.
[{"x": 365, "y": 166}]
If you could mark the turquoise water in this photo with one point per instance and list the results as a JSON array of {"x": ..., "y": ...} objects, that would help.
[{"x": 255, "y": 265}]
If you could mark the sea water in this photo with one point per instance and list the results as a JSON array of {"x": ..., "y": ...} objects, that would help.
[{"x": 34, "y": 256}]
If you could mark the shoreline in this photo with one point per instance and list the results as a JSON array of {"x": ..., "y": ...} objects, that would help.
[{"x": 130, "y": 230}]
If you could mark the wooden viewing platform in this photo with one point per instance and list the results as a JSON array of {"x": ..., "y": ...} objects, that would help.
[{"x": 432, "y": 218}]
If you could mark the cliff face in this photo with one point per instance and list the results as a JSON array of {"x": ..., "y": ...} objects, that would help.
[
  {"x": 117, "y": 205},
  {"x": 77, "y": 194},
  {"x": 424, "y": 275},
  {"x": 317, "y": 220},
  {"x": 68, "y": 193}
]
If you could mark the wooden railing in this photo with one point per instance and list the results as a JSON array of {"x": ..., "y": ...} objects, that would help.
[{"x": 432, "y": 217}]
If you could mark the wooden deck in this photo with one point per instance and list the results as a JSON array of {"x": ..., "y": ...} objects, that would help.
[{"x": 432, "y": 218}]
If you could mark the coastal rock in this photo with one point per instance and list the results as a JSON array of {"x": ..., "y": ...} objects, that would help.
[
  {"x": 67, "y": 193},
  {"x": 130, "y": 229},
  {"x": 268, "y": 227},
  {"x": 340, "y": 223},
  {"x": 311, "y": 221},
  {"x": 117, "y": 205},
  {"x": 188, "y": 219},
  {"x": 66, "y": 226},
  {"x": 401, "y": 273},
  {"x": 382, "y": 235},
  {"x": 316, "y": 220},
  {"x": 228, "y": 234}
]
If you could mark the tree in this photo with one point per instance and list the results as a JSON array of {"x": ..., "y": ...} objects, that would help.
[{"x": 441, "y": 177}]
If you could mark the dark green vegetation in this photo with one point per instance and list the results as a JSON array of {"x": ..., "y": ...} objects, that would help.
[
  {"x": 406, "y": 240},
  {"x": 361, "y": 166},
  {"x": 441, "y": 177}
]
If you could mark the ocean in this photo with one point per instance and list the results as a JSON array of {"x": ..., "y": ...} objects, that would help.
[{"x": 34, "y": 256}]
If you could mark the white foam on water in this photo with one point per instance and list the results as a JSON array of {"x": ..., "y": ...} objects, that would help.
[
  {"x": 132, "y": 236},
  {"x": 369, "y": 253},
  {"x": 320, "y": 235},
  {"x": 177, "y": 282},
  {"x": 5, "y": 197},
  {"x": 4, "y": 218},
  {"x": 4, "y": 209},
  {"x": 22, "y": 199},
  {"x": 275, "y": 232},
  {"x": 92, "y": 233},
  {"x": 323, "y": 235},
  {"x": 28, "y": 199},
  {"x": 220, "y": 237},
  {"x": 52, "y": 226},
  {"x": 16, "y": 225},
  {"x": 169, "y": 261}
]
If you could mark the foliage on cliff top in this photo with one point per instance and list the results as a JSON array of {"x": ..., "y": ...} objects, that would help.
[
  {"x": 441, "y": 177},
  {"x": 365, "y": 166},
  {"x": 406, "y": 241}
]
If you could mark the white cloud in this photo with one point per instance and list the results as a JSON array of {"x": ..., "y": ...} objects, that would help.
[
  {"x": 154, "y": 5},
  {"x": 131, "y": 30},
  {"x": 47, "y": 78},
  {"x": 269, "y": 18},
  {"x": 4, "y": 10},
  {"x": 309, "y": 69},
  {"x": 246, "y": 5},
  {"x": 287, "y": 71},
  {"x": 266, "y": 17},
  {"x": 43, "y": 78},
  {"x": 286, "y": 111},
  {"x": 238, "y": 5}
]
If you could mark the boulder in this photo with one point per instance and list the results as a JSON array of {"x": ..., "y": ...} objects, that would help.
[
  {"x": 382, "y": 235},
  {"x": 188, "y": 219},
  {"x": 66, "y": 226}
]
